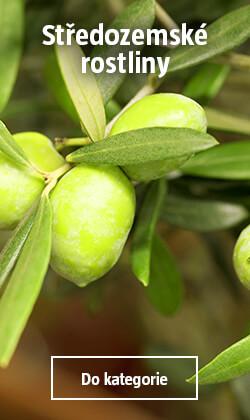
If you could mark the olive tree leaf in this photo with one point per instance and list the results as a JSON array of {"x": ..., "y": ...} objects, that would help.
[
  {"x": 223, "y": 35},
  {"x": 144, "y": 230},
  {"x": 231, "y": 363},
  {"x": 201, "y": 214},
  {"x": 24, "y": 286},
  {"x": 60, "y": 93},
  {"x": 206, "y": 82},
  {"x": 57, "y": 87},
  {"x": 10, "y": 147},
  {"x": 227, "y": 161},
  {"x": 165, "y": 289},
  {"x": 225, "y": 121},
  {"x": 138, "y": 15},
  {"x": 12, "y": 248},
  {"x": 11, "y": 39},
  {"x": 144, "y": 145},
  {"x": 83, "y": 89}
]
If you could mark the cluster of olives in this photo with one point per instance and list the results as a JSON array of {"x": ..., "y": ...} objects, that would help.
[{"x": 93, "y": 206}]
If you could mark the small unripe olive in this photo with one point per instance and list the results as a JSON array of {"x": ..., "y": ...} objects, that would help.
[
  {"x": 93, "y": 210},
  {"x": 241, "y": 257},
  {"x": 19, "y": 185},
  {"x": 159, "y": 110}
]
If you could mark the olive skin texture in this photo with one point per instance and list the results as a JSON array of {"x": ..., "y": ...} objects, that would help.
[
  {"x": 241, "y": 257},
  {"x": 19, "y": 185},
  {"x": 93, "y": 210},
  {"x": 159, "y": 110}
]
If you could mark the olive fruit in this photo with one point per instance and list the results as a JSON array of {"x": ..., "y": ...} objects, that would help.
[
  {"x": 241, "y": 257},
  {"x": 19, "y": 185},
  {"x": 93, "y": 210},
  {"x": 159, "y": 110}
]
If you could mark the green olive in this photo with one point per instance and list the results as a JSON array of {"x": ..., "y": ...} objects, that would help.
[
  {"x": 93, "y": 210},
  {"x": 159, "y": 110},
  {"x": 241, "y": 257},
  {"x": 20, "y": 186}
]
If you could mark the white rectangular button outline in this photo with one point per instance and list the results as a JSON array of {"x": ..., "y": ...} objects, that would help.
[{"x": 120, "y": 398}]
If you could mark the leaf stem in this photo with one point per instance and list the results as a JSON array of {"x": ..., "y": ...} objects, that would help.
[
  {"x": 62, "y": 143},
  {"x": 53, "y": 176},
  {"x": 38, "y": 170},
  {"x": 49, "y": 187}
]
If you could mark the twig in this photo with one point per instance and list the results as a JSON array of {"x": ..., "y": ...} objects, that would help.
[
  {"x": 164, "y": 18},
  {"x": 52, "y": 177}
]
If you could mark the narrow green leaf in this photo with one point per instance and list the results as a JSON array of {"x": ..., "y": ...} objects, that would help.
[
  {"x": 201, "y": 214},
  {"x": 60, "y": 93},
  {"x": 231, "y": 363},
  {"x": 206, "y": 82},
  {"x": 139, "y": 15},
  {"x": 10, "y": 147},
  {"x": 165, "y": 289},
  {"x": 144, "y": 145},
  {"x": 57, "y": 87},
  {"x": 83, "y": 89},
  {"x": 144, "y": 230},
  {"x": 223, "y": 35},
  {"x": 11, "y": 38},
  {"x": 225, "y": 121},
  {"x": 12, "y": 249},
  {"x": 26, "y": 281},
  {"x": 227, "y": 161}
]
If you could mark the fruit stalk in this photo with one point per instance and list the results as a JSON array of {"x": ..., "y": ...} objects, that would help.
[{"x": 51, "y": 177}]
